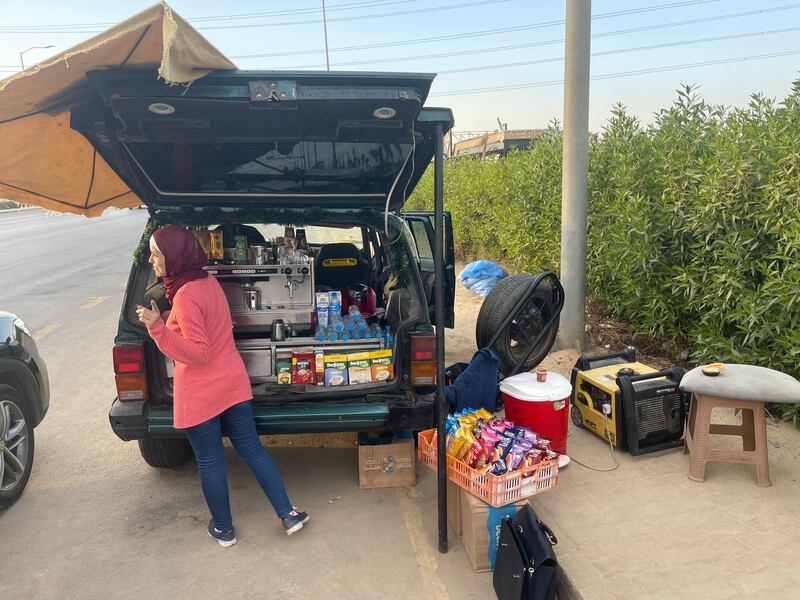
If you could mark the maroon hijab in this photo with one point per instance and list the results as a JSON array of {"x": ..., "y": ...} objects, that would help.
[{"x": 184, "y": 257}]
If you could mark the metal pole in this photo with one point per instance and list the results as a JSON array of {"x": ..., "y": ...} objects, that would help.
[
  {"x": 574, "y": 183},
  {"x": 325, "y": 27},
  {"x": 22, "y": 62},
  {"x": 441, "y": 401}
]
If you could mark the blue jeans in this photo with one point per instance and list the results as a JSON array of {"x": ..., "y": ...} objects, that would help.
[{"x": 206, "y": 440}]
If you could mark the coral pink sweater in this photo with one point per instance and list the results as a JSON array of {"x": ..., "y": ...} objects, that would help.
[{"x": 198, "y": 335}]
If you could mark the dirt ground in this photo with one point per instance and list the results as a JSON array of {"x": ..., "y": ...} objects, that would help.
[{"x": 645, "y": 530}]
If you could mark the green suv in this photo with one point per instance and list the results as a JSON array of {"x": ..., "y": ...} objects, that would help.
[{"x": 247, "y": 153}]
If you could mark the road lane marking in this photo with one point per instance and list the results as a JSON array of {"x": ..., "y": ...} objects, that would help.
[
  {"x": 45, "y": 331},
  {"x": 94, "y": 302},
  {"x": 423, "y": 551}
]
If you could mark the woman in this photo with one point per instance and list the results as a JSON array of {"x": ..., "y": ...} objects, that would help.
[{"x": 211, "y": 391}]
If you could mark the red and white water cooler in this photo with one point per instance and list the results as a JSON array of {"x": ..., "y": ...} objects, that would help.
[{"x": 541, "y": 406}]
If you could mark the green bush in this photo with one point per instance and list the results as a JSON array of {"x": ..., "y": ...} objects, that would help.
[{"x": 694, "y": 223}]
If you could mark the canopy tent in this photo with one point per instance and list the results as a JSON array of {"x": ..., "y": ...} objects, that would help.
[{"x": 42, "y": 160}]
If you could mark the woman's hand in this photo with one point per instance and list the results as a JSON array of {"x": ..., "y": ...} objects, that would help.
[{"x": 149, "y": 316}]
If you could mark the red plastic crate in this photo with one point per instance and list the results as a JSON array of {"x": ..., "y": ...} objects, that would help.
[{"x": 497, "y": 490}]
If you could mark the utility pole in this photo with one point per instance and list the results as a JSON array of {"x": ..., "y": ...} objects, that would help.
[
  {"x": 575, "y": 172},
  {"x": 325, "y": 27}
]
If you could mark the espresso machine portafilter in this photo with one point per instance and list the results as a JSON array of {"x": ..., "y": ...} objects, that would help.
[{"x": 252, "y": 296}]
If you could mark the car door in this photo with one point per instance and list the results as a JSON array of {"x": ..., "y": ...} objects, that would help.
[{"x": 421, "y": 226}]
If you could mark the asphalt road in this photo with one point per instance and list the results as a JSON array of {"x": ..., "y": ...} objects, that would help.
[{"x": 96, "y": 522}]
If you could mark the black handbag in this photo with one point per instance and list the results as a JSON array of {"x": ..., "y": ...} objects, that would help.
[{"x": 525, "y": 567}]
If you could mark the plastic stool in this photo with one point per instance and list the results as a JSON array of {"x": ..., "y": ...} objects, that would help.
[
  {"x": 743, "y": 387},
  {"x": 753, "y": 432}
]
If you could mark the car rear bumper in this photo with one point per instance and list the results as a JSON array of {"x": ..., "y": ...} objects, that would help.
[
  {"x": 135, "y": 420},
  {"x": 129, "y": 419}
]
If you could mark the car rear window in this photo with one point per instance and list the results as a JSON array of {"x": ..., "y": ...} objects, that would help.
[{"x": 273, "y": 167}]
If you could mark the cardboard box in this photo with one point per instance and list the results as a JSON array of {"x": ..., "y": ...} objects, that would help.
[
  {"x": 387, "y": 465},
  {"x": 480, "y": 529},
  {"x": 454, "y": 506},
  {"x": 335, "y": 369},
  {"x": 358, "y": 370},
  {"x": 381, "y": 365}
]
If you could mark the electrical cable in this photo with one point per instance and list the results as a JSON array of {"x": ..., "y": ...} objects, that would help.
[
  {"x": 487, "y": 32},
  {"x": 544, "y": 43},
  {"x": 625, "y": 50},
  {"x": 405, "y": 190},
  {"x": 561, "y": 58},
  {"x": 617, "y": 75},
  {"x": 460, "y": 5},
  {"x": 238, "y": 16},
  {"x": 600, "y": 469}
]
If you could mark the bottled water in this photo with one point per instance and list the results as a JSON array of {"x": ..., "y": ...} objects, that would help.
[{"x": 388, "y": 338}]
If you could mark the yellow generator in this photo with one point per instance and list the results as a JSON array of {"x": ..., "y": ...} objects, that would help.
[{"x": 635, "y": 407}]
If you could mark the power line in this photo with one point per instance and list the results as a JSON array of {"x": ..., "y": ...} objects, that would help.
[
  {"x": 625, "y": 50},
  {"x": 544, "y": 42},
  {"x": 256, "y": 15},
  {"x": 535, "y": 84},
  {"x": 307, "y": 22},
  {"x": 550, "y": 24},
  {"x": 361, "y": 17},
  {"x": 312, "y": 10},
  {"x": 13, "y": 68},
  {"x": 487, "y": 32}
]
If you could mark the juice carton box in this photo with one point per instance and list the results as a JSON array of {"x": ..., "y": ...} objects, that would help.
[
  {"x": 319, "y": 366},
  {"x": 323, "y": 303}
]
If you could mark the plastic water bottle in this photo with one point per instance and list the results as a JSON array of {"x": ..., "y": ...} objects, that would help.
[
  {"x": 356, "y": 335},
  {"x": 349, "y": 325},
  {"x": 330, "y": 334},
  {"x": 354, "y": 312},
  {"x": 337, "y": 323},
  {"x": 388, "y": 338},
  {"x": 367, "y": 335},
  {"x": 344, "y": 336},
  {"x": 376, "y": 332},
  {"x": 319, "y": 334},
  {"x": 361, "y": 325}
]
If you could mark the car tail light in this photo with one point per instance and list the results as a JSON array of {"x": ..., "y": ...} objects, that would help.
[
  {"x": 129, "y": 373},
  {"x": 423, "y": 360},
  {"x": 423, "y": 347}
]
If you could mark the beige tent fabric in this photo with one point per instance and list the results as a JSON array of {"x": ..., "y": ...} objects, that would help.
[{"x": 42, "y": 160}]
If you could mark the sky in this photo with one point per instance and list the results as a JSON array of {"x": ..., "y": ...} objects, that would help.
[{"x": 473, "y": 67}]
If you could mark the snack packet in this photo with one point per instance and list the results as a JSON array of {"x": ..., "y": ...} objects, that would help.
[
  {"x": 484, "y": 414},
  {"x": 499, "y": 468},
  {"x": 475, "y": 454}
]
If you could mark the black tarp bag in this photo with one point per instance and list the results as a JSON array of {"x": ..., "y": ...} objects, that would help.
[{"x": 525, "y": 567}]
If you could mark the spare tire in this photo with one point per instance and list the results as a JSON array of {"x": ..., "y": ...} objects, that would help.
[{"x": 514, "y": 342}]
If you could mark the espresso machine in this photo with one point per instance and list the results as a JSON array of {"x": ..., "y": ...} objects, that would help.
[{"x": 259, "y": 295}]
